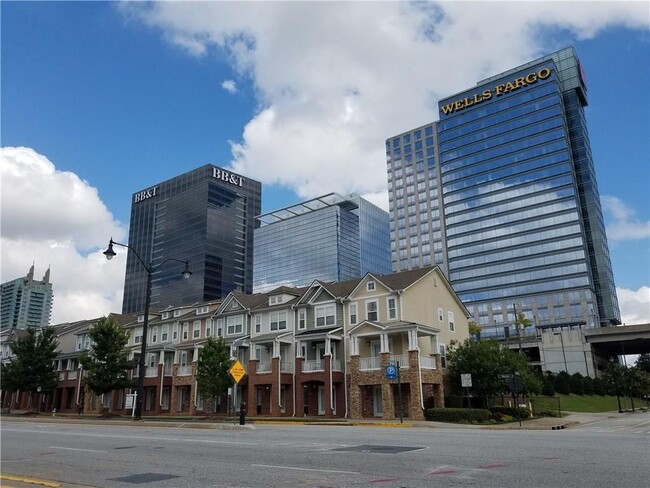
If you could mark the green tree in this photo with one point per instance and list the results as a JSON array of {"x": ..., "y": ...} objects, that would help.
[
  {"x": 31, "y": 367},
  {"x": 548, "y": 386},
  {"x": 588, "y": 385},
  {"x": 563, "y": 383},
  {"x": 212, "y": 368},
  {"x": 576, "y": 383},
  {"x": 107, "y": 365},
  {"x": 643, "y": 362},
  {"x": 487, "y": 361},
  {"x": 474, "y": 329}
]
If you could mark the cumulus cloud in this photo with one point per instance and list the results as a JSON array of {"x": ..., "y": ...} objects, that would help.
[
  {"x": 230, "y": 86},
  {"x": 623, "y": 224},
  {"x": 634, "y": 305},
  {"x": 54, "y": 219},
  {"x": 333, "y": 80}
]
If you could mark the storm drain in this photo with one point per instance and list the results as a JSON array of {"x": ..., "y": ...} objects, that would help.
[
  {"x": 379, "y": 449},
  {"x": 139, "y": 479}
]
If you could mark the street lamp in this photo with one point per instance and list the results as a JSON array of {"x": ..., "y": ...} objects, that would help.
[
  {"x": 563, "y": 353},
  {"x": 150, "y": 269}
]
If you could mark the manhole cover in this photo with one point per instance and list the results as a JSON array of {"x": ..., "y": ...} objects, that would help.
[
  {"x": 379, "y": 449},
  {"x": 138, "y": 479}
]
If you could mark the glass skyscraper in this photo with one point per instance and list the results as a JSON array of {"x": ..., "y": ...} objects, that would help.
[
  {"x": 329, "y": 238},
  {"x": 501, "y": 193},
  {"x": 205, "y": 216}
]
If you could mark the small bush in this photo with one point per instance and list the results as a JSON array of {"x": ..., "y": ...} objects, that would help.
[
  {"x": 547, "y": 413},
  {"x": 517, "y": 412},
  {"x": 457, "y": 414}
]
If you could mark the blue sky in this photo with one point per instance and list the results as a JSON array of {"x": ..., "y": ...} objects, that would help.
[{"x": 116, "y": 97}]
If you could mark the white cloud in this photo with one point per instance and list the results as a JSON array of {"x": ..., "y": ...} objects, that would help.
[
  {"x": 230, "y": 86},
  {"x": 634, "y": 305},
  {"x": 333, "y": 80},
  {"x": 54, "y": 219},
  {"x": 623, "y": 225}
]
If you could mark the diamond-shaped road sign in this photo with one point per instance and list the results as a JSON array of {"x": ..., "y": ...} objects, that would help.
[{"x": 237, "y": 371}]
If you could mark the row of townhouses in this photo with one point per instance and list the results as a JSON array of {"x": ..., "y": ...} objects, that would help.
[{"x": 320, "y": 350}]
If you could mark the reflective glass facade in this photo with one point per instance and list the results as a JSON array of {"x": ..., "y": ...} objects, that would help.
[
  {"x": 330, "y": 238},
  {"x": 205, "y": 216},
  {"x": 520, "y": 223}
]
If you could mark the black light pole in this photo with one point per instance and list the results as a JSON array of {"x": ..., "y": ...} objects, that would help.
[
  {"x": 109, "y": 253},
  {"x": 566, "y": 369}
]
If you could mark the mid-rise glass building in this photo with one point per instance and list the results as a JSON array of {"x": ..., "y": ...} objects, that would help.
[
  {"x": 26, "y": 302},
  {"x": 329, "y": 238},
  {"x": 205, "y": 216},
  {"x": 501, "y": 193}
]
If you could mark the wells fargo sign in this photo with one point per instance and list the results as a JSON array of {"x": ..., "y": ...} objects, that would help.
[{"x": 498, "y": 90}]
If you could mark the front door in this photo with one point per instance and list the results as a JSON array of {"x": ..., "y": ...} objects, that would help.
[
  {"x": 376, "y": 401},
  {"x": 321, "y": 400}
]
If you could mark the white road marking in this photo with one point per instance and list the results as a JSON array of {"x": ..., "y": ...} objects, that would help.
[
  {"x": 304, "y": 469},
  {"x": 75, "y": 449}
]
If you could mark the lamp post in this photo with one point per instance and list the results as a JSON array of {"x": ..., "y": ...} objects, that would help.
[
  {"x": 563, "y": 353},
  {"x": 150, "y": 269}
]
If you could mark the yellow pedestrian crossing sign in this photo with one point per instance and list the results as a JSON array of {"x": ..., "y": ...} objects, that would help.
[{"x": 237, "y": 371}]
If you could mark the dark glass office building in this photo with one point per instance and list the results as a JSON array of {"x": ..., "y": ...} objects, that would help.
[
  {"x": 329, "y": 238},
  {"x": 502, "y": 194},
  {"x": 205, "y": 216}
]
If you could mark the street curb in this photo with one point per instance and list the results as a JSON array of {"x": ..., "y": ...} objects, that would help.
[{"x": 31, "y": 481}]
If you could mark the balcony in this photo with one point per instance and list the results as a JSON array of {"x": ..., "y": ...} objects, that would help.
[
  {"x": 151, "y": 372},
  {"x": 185, "y": 370},
  {"x": 428, "y": 362},
  {"x": 403, "y": 360},
  {"x": 263, "y": 367},
  {"x": 312, "y": 366},
  {"x": 73, "y": 375},
  {"x": 373, "y": 363},
  {"x": 337, "y": 365},
  {"x": 368, "y": 364},
  {"x": 168, "y": 370},
  {"x": 286, "y": 367},
  {"x": 62, "y": 376}
]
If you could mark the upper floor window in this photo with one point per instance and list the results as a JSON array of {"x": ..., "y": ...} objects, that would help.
[
  {"x": 196, "y": 329},
  {"x": 165, "y": 315},
  {"x": 258, "y": 323},
  {"x": 443, "y": 355},
  {"x": 219, "y": 327},
  {"x": 175, "y": 331},
  {"x": 202, "y": 310},
  {"x": 154, "y": 335},
  {"x": 325, "y": 315},
  {"x": 208, "y": 328},
  {"x": 370, "y": 286},
  {"x": 371, "y": 310},
  {"x": 164, "y": 337},
  {"x": 302, "y": 318},
  {"x": 137, "y": 336},
  {"x": 234, "y": 325},
  {"x": 140, "y": 318},
  {"x": 353, "y": 313},
  {"x": 450, "y": 317},
  {"x": 392, "y": 308},
  {"x": 177, "y": 313},
  {"x": 278, "y": 320},
  {"x": 441, "y": 316},
  {"x": 186, "y": 328}
]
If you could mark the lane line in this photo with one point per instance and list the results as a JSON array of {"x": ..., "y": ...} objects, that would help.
[
  {"x": 149, "y": 438},
  {"x": 75, "y": 449},
  {"x": 304, "y": 469},
  {"x": 31, "y": 481}
]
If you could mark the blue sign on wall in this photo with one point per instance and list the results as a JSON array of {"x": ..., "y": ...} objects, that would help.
[{"x": 391, "y": 372}]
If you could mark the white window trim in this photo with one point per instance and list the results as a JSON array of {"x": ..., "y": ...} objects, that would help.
[
  {"x": 370, "y": 286},
  {"x": 234, "y": 325},
  {"x": 302, "y": 319},
  {"x": 388, "y": 309},
  {"x": 354, "y": 306},
  {"x": 177, "y": 313},
  {"x": 276, "y": 318},
  {"x": 323, "y": 308},
  {"x": 196, "y": 327},
  {"x": 258, "y": 323},
  {"x": 451, "y": 322},
  {"x": 441, "y": 314},
  {"x": 368, "y": 302},
  {"x": 185, "y": 334}
]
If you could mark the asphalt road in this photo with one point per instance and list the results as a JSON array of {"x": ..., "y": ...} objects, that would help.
[{"x": 604, "y": 452}]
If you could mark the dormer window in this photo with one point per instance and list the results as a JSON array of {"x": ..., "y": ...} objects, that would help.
[
  {"x": 202, "y": 310},
  {"x": 370, "y": 286},
  {"x": 177, "y": 313},
  {"x": 165, "y": 315},
  {"x": 140, "y": 318}
]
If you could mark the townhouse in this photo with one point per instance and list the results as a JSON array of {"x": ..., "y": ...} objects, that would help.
[{"x": 321, "y": 350}]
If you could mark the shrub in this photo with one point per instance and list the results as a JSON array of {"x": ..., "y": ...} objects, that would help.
[
  {"x": 547, "y": 413},
  {"x": 599, "y": 387},
  {"x": 457, "y": 414},
  {"x": 577, "y": 387},
  {"x": 562, "y": 383},
  {"x": 516, "y": 412},
  {"x": 588, "y": 385}
]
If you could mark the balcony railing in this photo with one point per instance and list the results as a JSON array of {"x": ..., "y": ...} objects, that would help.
[
  {"x": 151, "y": 372},
  {"x": 263, "y": 367},
  {"x": 312, "y": 366},
  {"x": 168, "y": 370},
  {"x": 371, "y": 363},
  {"x": 428, "y": 362},
  {"x": 185, "y": 370},
  {"x": 286, "y": 367},
  {"x": 403, "y": 360},
  {"x": 337, "y": 365},
  {"x": 72, "y": 375}
]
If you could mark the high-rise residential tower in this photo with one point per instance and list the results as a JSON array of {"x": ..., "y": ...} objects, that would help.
[
  {"x": 26, "y": 302},
  {"x": 501, "y": 193},
  {"x": 329, "y": 238},
  {"x": 205, "y": 216}
]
